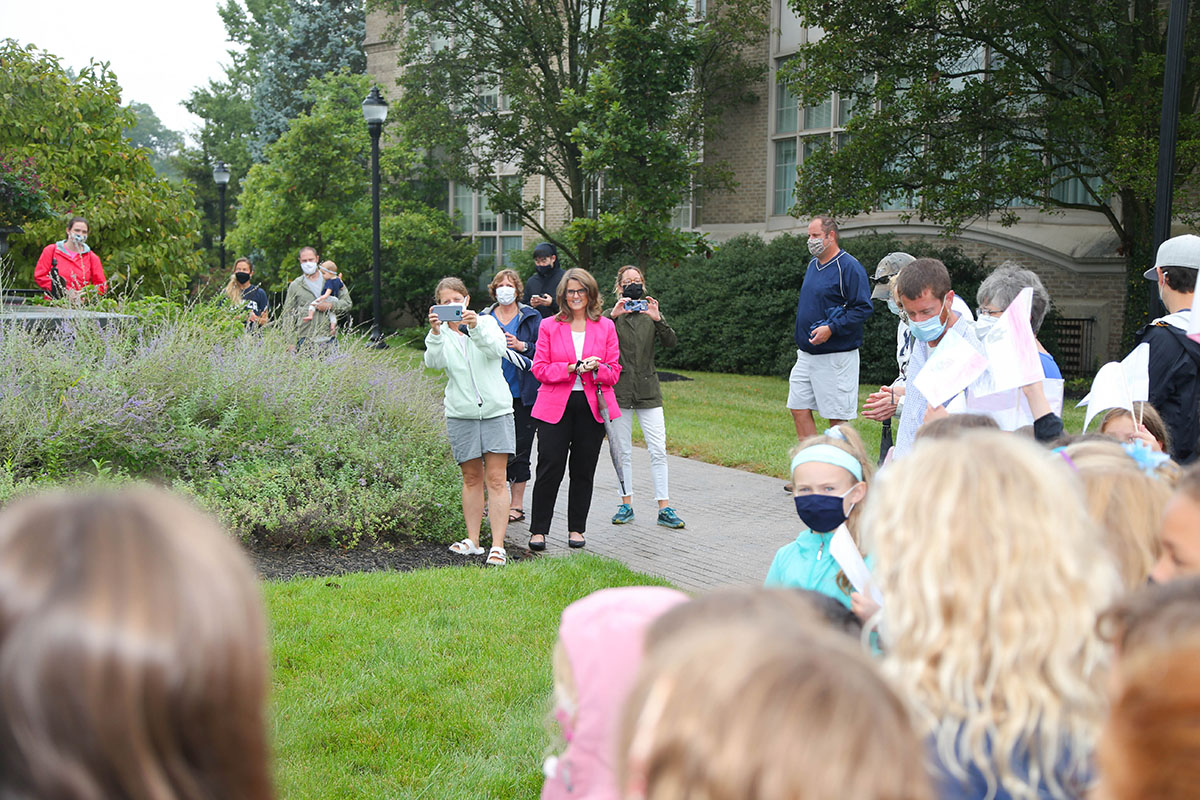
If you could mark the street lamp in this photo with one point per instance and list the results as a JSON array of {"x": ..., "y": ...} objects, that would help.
[
  {"x": 374, "y": 110},
  {"x": 221, "y": 178}
]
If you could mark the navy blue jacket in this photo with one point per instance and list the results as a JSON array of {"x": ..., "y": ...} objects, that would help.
[
  {"x": 837, "y": 294},
  {"x": 1175, "y": 386},
  {"x": 527, "y": 332}
]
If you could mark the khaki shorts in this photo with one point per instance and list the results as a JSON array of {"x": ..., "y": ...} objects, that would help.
[{"x": 827, "y": 383}]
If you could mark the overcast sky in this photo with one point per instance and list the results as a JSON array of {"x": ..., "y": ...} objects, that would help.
[{"x": 159, "y": 49}]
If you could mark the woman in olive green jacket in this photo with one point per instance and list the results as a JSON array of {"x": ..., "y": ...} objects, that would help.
[{"x": 640, "y": 328}]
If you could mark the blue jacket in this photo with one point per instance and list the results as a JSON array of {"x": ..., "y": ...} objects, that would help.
[
  {"x": 807, "y": 564},
  {"x": 527, "y": 331},
  {"x": 837, "y": 294}
]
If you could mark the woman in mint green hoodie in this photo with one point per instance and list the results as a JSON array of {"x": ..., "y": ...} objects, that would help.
[{"x": 479, "y": 413}]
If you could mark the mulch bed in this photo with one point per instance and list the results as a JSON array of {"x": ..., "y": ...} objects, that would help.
[{"x": 275, "y": 562}]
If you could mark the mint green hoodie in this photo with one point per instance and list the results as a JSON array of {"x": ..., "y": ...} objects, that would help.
[{"x": 475, "y": 385}]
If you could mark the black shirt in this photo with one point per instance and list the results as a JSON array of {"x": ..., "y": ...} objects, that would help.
[
  {"x": 254, "y": 299},
  {"x": 544, "y": 284}
]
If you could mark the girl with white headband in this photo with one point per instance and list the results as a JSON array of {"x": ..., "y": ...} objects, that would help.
[{"x": 830, "y": 475}]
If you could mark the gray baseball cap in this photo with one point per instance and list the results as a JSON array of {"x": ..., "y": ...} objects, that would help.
[
  {"x": 1179, "y": 251},
  {"x": 888, "y": 268}
]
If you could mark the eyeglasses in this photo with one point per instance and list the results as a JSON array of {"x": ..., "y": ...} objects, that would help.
[
  {"x": 576, "y": 292},
  {"x": 990, "y": 312}
]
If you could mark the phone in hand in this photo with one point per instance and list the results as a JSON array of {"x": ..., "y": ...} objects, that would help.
[{"x": 451, "y": 312}]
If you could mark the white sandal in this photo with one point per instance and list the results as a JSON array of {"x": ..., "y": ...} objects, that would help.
[
  {"x": 466, "y": 548},
  {"x": 497, "y": 557}
]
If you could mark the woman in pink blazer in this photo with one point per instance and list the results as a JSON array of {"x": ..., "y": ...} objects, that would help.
[{"x": 577, "y": 353}]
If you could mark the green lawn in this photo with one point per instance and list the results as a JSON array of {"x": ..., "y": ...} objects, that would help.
[{"x": 432, "y": 684}]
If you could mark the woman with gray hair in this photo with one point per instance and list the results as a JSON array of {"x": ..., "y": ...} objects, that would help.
[{"x": 999, "y": 289}]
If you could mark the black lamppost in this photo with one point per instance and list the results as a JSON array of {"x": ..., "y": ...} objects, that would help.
[
  {"x": 374, "y": 110},
  {"x": 221, "y": 178}
]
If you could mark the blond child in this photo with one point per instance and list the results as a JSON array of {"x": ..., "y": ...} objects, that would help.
[
  {"x": 830, "y": 474},
  {"x": 765, "y": 709},
  {"x": 1179, "y": 535},
  {"x": 333, "y": 287}
]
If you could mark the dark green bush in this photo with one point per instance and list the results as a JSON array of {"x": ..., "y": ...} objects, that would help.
[{"x": 735, "y": 311}]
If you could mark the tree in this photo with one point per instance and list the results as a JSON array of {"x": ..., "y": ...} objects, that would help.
[
  {"x": 506, "y": 82},
  {"x": 314, "y": 189},
  {"x": 73, "y": 128},
  {"x": 160, "y": 142},
  {"x": 984, "y": 107}
]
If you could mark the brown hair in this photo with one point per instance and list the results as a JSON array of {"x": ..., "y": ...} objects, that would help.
[
  {"x": 594, "y": 308},
  {"x": 1150, "y": 745},
  {"x": 1125, "y": 502},
  {"x": 1189, "y": 483},
  {"x": 921, "y": 275},
  {"x": 133, "y": 656},
  {"x": 952, "y": 426},
  {"x": 617, "y": 290},
  {"x": 828, "y": 224},
  {"x": 1150, "y": 418},
  {"x": 718, "y": 715},
  {"x": 452, "y": 284},
  {"x": 233, "y": 289},
  {"x": 306, "y": 247},
  {"x": 512, "y": 275},
  {"x": 1154, "y": 616},
  {"x": 72, "y": 220}
]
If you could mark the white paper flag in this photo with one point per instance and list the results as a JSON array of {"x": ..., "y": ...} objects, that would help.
[
  {"x": 954, "y": 365},
  {"x": 844, "y": 551},
  {"x": 1011, "y": 348},
  {"x": 1119, "y": 384}
]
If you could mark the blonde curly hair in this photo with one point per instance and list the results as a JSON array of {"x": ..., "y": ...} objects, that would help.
[{"x": 993, "y": 581}]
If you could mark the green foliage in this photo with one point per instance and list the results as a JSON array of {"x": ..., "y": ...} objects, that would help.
[
  {"x": 315, "y": 189},
  {"x": 736, "y": 310},
  {"x": 338, "y": 446},
  {"x": 22, "y": 197},
  {"x": 986, "y": 107},
  {"x": 160, "y": 142},
  {"x": 73, "y": 127},
  {"x": 486, "y": 82}
]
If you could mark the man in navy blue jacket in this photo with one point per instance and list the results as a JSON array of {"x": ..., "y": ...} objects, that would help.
[{"x": 835, "y": 301}]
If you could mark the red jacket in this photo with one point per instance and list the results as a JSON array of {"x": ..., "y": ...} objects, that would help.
[
  {"x": 555, "y": 353},
  {"x": 77, "y": 270}
]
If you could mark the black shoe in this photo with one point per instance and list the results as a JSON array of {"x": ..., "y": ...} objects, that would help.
[
  {"x": 537, "y": 547},
  {"x": 576, "y": 543}
]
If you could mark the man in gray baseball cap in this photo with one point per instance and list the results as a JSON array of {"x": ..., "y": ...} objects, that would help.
[{"x": 1175, "y": 358}]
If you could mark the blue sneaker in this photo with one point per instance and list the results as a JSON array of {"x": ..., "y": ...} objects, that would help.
[
  {"x": 668, "y": 518},
  {"x": 624, "y": 514}
]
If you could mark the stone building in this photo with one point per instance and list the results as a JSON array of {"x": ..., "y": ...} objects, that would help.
[{"x": 1074, "y": 252}]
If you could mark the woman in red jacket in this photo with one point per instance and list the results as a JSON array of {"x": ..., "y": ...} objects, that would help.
[
  {"x": 577, "y": 355},
  {"x": 70, "y": 265}
]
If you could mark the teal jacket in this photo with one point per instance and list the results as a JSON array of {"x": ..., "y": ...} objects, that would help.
[
  {"x": 475, "y": 385},
  {"x": 807, "y": 564}
]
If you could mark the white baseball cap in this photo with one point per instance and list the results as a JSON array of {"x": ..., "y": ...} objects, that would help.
[{"x": 1179, "y": 251}]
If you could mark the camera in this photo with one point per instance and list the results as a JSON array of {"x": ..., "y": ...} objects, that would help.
[{"x": 636, "y": 305}]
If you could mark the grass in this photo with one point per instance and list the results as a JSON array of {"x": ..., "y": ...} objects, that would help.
[{"x": 430, "y": 684}]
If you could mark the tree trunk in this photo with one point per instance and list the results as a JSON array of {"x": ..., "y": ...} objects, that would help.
[{"x": 1137, "y": 218}]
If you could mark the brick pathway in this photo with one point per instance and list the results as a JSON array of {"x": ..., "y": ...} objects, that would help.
[{"x": 735, "y": 522}]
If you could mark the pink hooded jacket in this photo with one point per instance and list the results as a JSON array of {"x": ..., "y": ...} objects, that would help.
[{"x": 602, "y": 635}]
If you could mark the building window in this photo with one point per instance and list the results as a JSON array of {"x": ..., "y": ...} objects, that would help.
[
  {"x": 798, "y": 133},
  {"x": 498, "y": 236}
]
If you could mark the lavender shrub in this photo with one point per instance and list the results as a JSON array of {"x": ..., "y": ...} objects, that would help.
[{"x": 341, "y": 446}]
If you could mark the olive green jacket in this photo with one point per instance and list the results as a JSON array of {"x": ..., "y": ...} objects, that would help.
[
  {"x": 638, "y": 385},
  {"x": 295, "y": 308}
]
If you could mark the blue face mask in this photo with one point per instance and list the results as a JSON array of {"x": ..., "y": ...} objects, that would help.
[
  {"x": 930, "y": 329},
  {"x": 893, "y": 306},
  {"x": 821, "y": 512}
]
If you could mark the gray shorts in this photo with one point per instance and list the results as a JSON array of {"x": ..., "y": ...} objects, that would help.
[
  {"x": 826, "y": 382},
  {"x": 471, "y": 438}
]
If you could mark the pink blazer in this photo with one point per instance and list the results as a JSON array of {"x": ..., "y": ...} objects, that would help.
[{"x": 555, "y": 352}]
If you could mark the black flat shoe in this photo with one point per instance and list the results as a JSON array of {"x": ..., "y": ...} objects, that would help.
[
  {"x": 576, "y": 543},
  {"x": 537, "y": 547}
]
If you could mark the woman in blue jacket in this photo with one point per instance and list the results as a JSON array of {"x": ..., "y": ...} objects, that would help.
[
  {"x": 519, "y": 323},
  {"x": 479, "y": 413}
]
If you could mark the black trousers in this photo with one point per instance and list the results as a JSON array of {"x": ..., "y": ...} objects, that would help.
[
  {"x": 574, "y": 441},
  {"x": 518, "y": 465}
]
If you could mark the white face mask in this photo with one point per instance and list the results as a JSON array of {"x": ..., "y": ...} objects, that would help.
[
  {"x": 505, "y": 295},
  {"x": 309, "y": 267},
  {"x": 815, "y": 246},
  {"x": 984, "y": 324}
]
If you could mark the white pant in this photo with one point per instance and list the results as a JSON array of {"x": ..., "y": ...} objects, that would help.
[{"x": 654, "y": 430}]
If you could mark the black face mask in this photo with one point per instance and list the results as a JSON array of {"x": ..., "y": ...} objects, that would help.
[
  {"x": 242, "y": 277},
  {"x": 545, "y": 269},
  {"x": 633, "y": 291}
]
